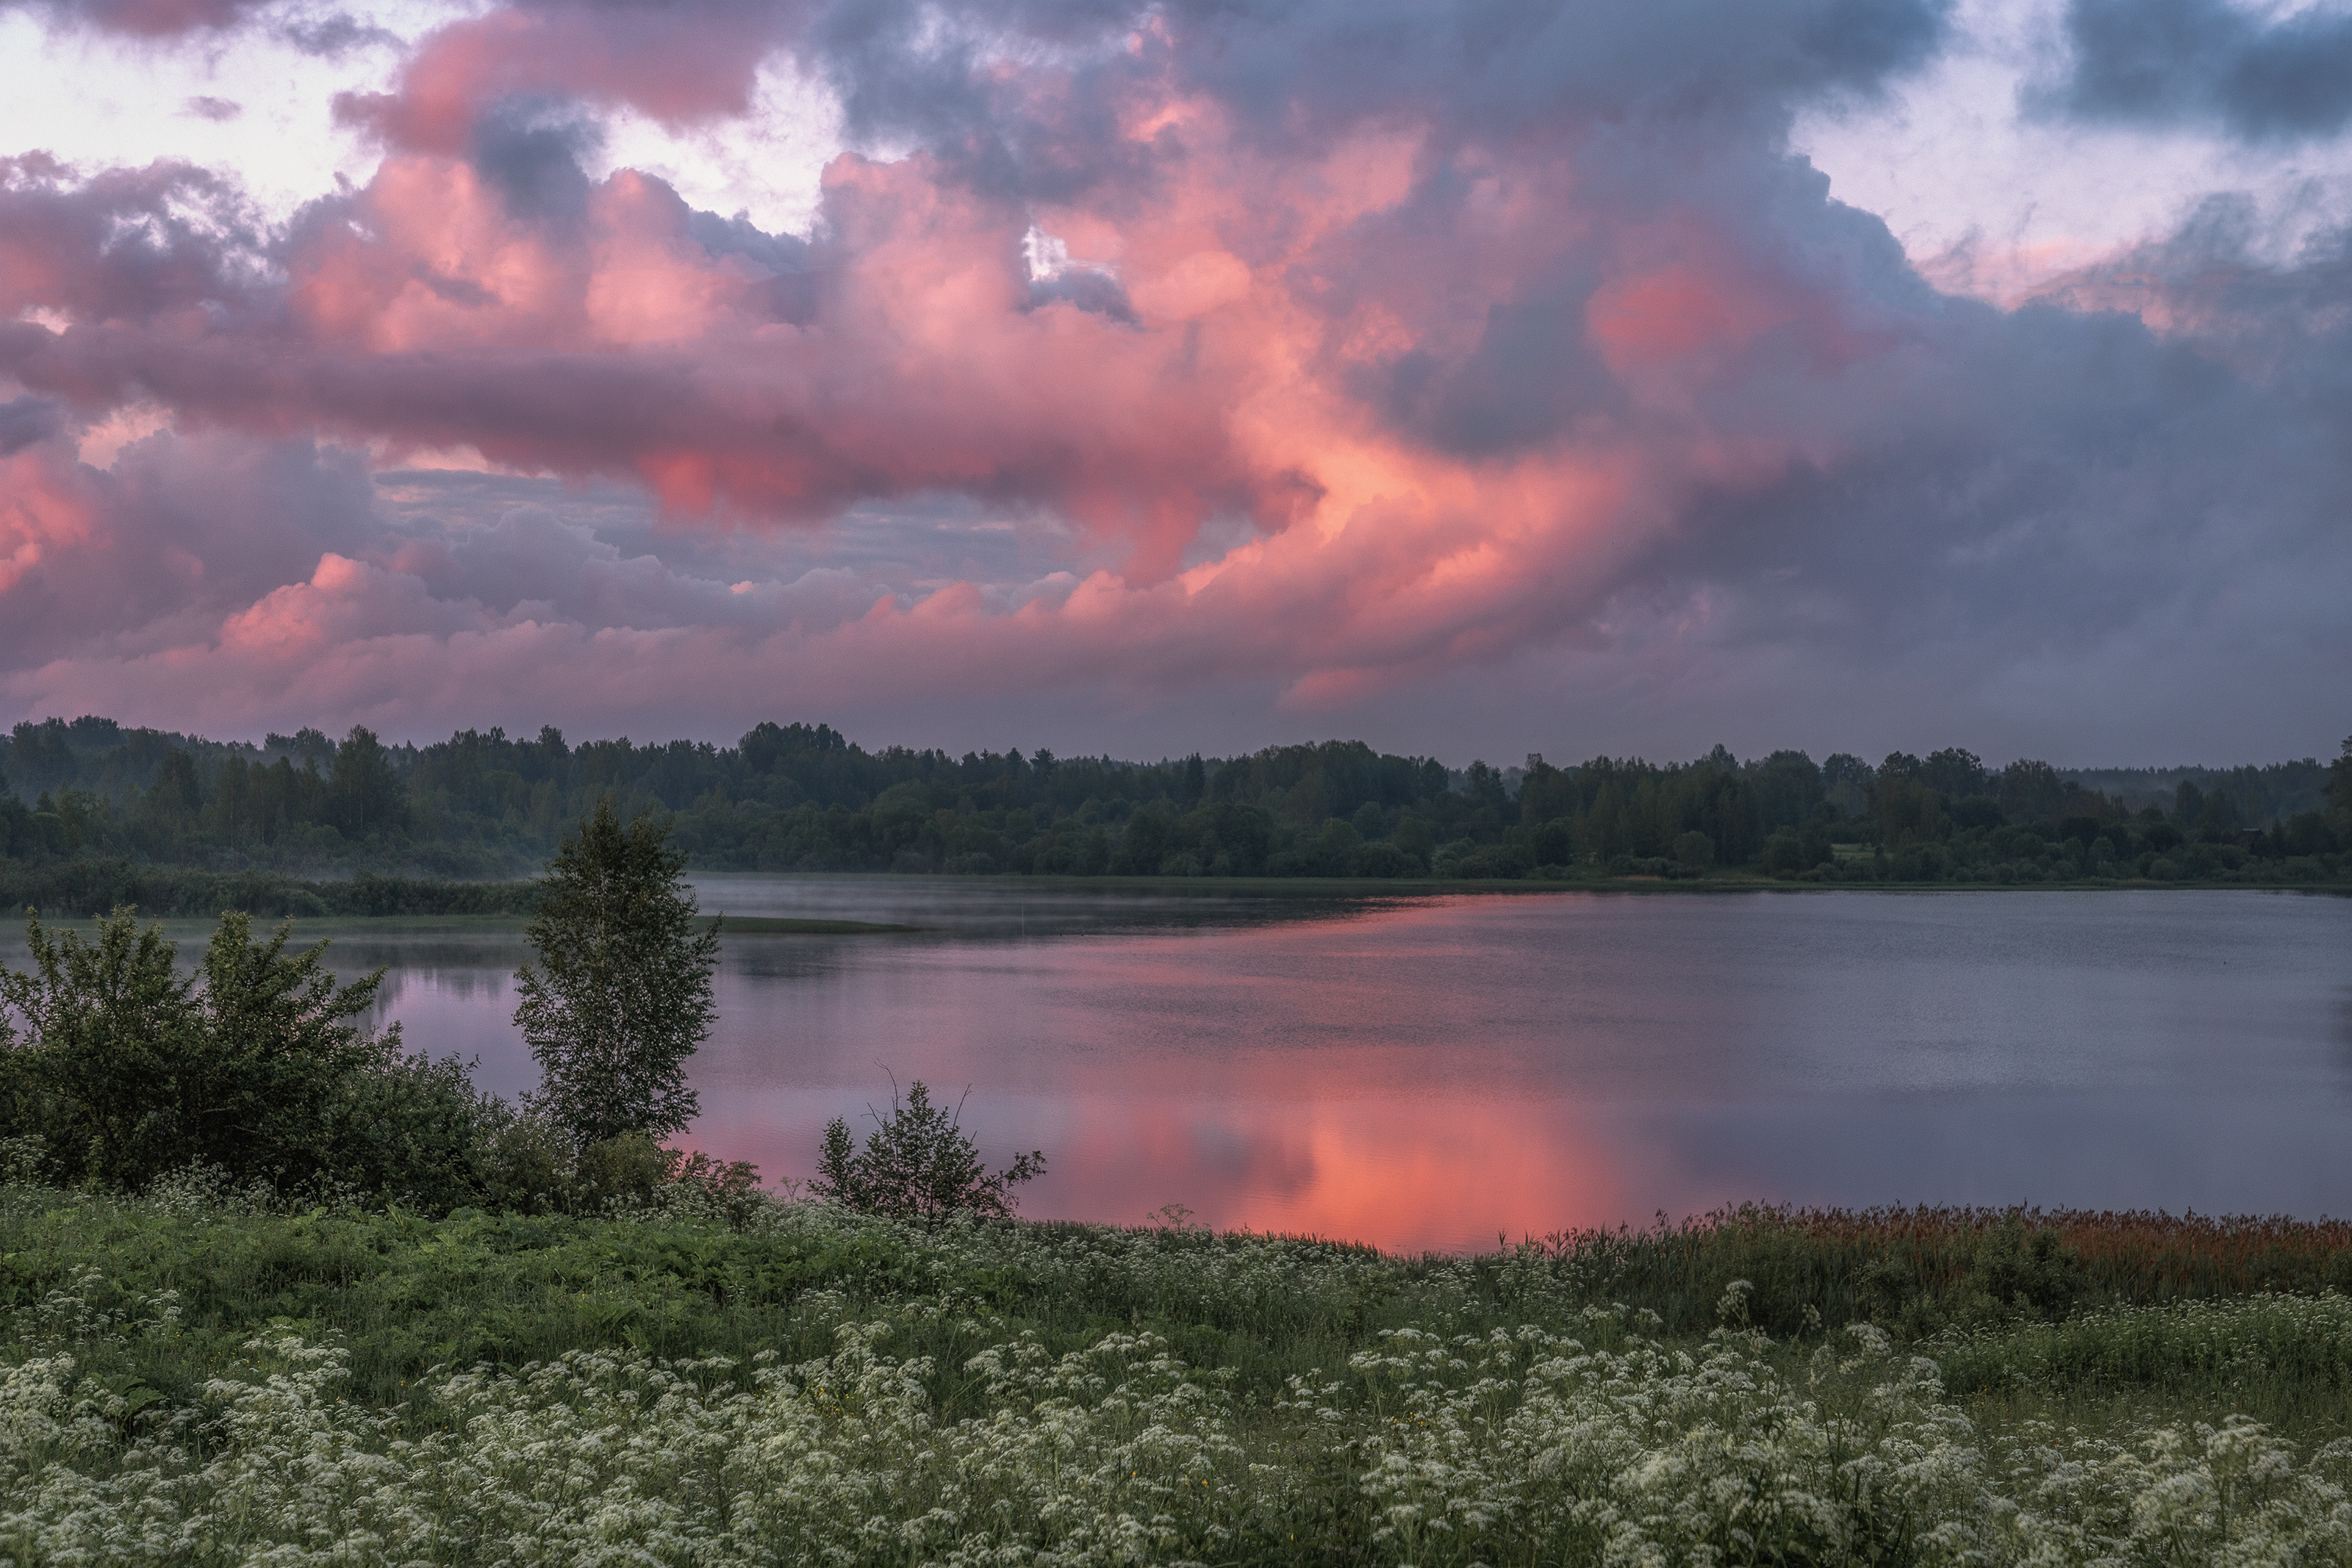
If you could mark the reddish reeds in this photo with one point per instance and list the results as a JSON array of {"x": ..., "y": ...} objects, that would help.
[{"x": 1923, "y": 1268}]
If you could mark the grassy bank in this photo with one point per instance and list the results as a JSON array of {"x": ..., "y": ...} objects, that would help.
[
  {"x": 82, "y": 889},
  {"x": 78, "y": 889},
  {"x": 716, "y": 1380}
]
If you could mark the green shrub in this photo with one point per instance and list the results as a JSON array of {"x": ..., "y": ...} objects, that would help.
[
  {"x": 616, "y": 1171},
  {"x": 135, "y": 1069},
  {"x": 918, "y": 1164},
  {"x": 411, "y": 1130},
  {"x": 527, "y": 1163}
]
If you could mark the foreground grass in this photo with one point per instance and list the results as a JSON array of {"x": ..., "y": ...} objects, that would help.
[{"x": 185, "y": 1382}]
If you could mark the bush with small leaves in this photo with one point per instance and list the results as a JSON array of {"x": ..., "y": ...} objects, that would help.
[
  {"x": 918, "y": 1164},
  {"x": 133, "y": 1069}
]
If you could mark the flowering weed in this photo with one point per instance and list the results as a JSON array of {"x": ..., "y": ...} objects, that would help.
[{"x": 789, "y": 1384}]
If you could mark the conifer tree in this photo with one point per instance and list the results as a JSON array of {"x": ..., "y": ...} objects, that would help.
[{"x": 616, "y": 995}]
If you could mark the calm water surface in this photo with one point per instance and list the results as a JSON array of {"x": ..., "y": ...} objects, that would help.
[{"x": 1431, "y": 1071}]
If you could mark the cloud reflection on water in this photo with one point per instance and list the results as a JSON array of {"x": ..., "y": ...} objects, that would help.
[{"x": 1429, "y": 1073}]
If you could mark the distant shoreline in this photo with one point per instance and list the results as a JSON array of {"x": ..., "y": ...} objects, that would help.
[
  {"x": 1354, "y": 890},
  {"x": 383, "y": 904}
]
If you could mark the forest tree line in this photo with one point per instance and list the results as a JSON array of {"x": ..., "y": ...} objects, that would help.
[{"x": 484, "y": 805}]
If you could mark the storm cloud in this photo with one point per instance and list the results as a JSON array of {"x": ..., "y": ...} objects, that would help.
[{"x": 2159, "y": 62}]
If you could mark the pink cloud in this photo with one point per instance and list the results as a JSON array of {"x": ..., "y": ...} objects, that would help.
[
  {"x": 677, "y": 64},
  {"x": 1333, "y": 391},
  {"x": 427, "y": 311}
]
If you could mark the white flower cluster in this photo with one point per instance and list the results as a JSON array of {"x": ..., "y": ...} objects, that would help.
[
  {"x": 2305, "y": 1338},
  {"x": 1597, "y": 1446},
  {"x": 1117, "y": 1454},
  {"x": 88, "y": 1309}
]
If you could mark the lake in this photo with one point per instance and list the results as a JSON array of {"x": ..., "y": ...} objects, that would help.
[{"x": 1434, "y": 1072}]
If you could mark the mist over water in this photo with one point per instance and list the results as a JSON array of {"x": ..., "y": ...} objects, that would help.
[{"x": 1429, "y": 1073}]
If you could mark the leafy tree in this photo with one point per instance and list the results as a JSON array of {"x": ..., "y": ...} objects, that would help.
[
  {"x": 1784, "y": 853},
  {"x": 1146, "y": 841},
  {"x": 363, "y": 793},
  {"x": 1845, "y": 782},
  {"x": 278, "y": 1038},
  {"x": 1978, "y": 811},
  {"x": 2219, "y": 819},
  {"x": 137, "y": 1070},
  {"x": 1485, "y": 786},
  {"x": 2027, "y": 790},
  {"x": 1788, "y": 789},
  {"x": 1955, "y": 773},
  {"x": 1908, "y": 812},
  {"x": 1900, "y": 766},
  {"x": 2339, "y": 788},
  {"x": 176, "y": 791},
  {"x": 619, "y": 995},
  {"x": 104, "y": 1024},
  {"x": 917, "y": 1164}
]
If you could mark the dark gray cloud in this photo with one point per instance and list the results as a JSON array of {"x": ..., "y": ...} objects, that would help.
[
  {"x": 738, "y": 236},
  {"x": 790, "y": 285},
  {"x": 532, "y": 149},
  {"x": 335, "y": 34},
  {"x": 150, "y": 18},
  {"x": 1087, "y": 289},
  {"x": 215, "y": 108},
  {"x": 1300, "y": 73},
  {"x": 2168, "y": 62},
  {"x": 25, "y": 420},
  {"x": 2056, "y": 529},
  {"x": 1505, "y": 65}
]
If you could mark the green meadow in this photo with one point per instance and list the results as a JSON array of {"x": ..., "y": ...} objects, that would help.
[{"x": 706, "y": 1373}]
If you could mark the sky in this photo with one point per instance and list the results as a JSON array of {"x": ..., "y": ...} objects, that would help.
[{"x": 1473, "y": 379}]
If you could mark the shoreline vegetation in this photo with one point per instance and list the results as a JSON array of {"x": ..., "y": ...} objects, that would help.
[
  {"x": 88, "y": 889},
  {"x": 705, "y": 1373},
  {"x": 94, "y": 815}
]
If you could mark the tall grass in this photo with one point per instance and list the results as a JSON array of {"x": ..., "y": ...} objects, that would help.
[{"x": 1918, "y": 1270}]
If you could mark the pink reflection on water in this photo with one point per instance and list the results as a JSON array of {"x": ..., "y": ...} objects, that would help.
[
  {"x": 1429, "y": 1172},
  {"x": 1385, "y": 1077},
  {"x": 1428, "y": 1074}
]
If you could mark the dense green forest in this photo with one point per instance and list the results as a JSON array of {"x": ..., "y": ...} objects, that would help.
[{"x": 90, "y": 800}]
